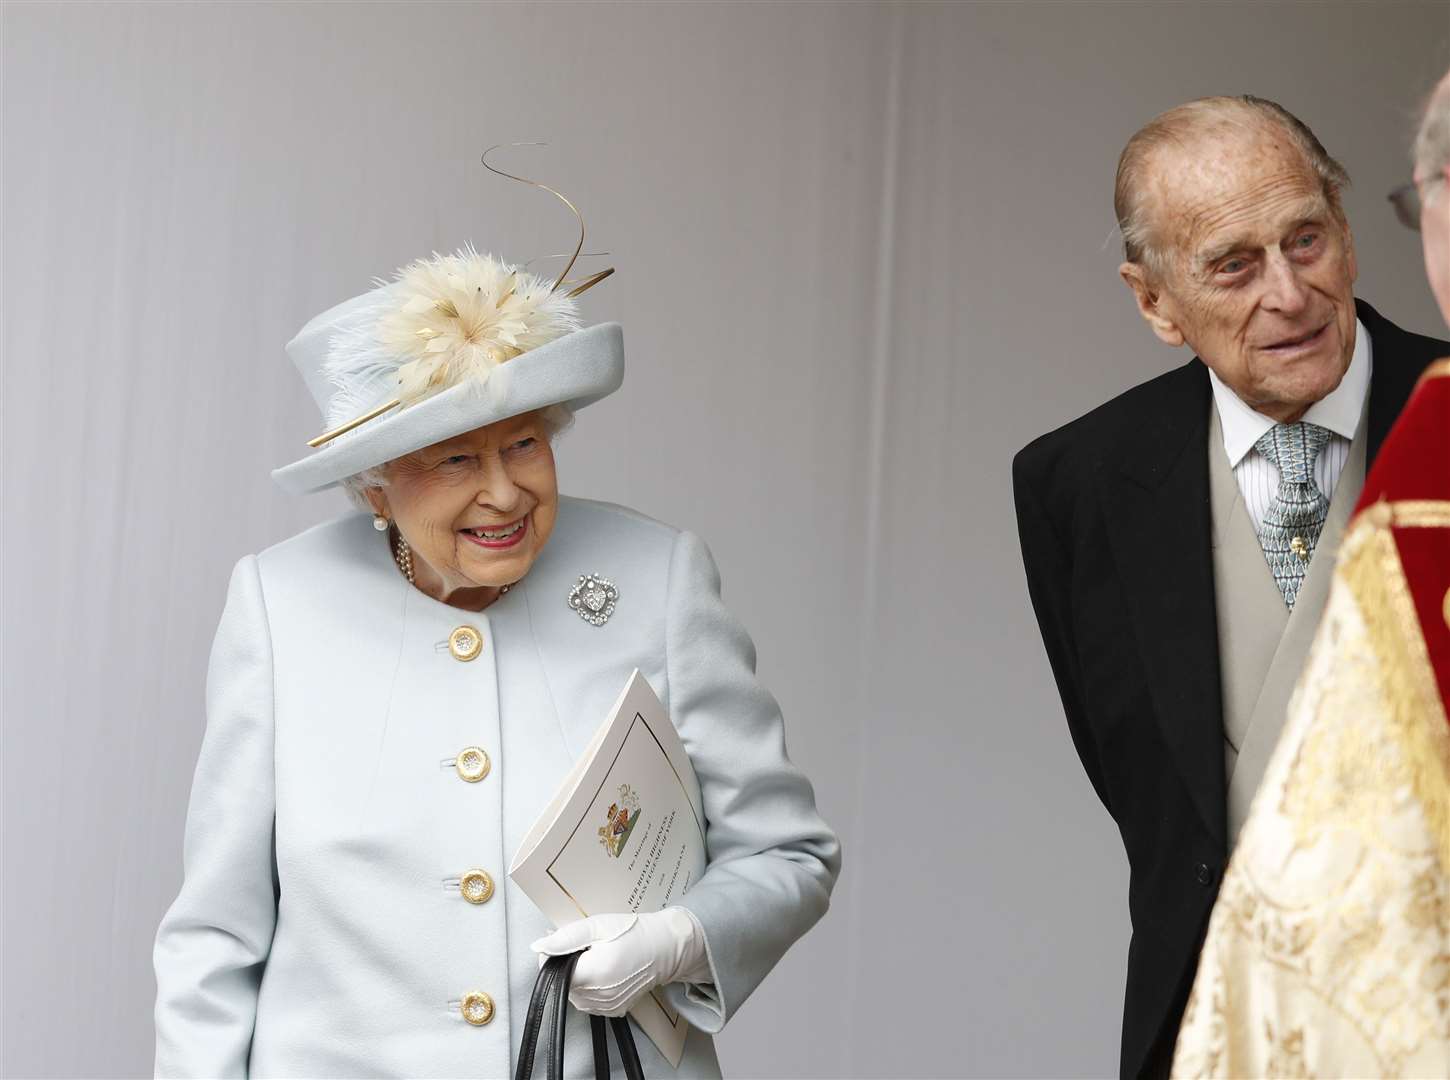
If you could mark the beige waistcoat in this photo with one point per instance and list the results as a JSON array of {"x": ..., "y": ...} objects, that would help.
[{"x": 1262, "y": 646}]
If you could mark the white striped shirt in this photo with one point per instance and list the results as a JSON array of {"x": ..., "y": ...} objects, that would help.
[{"x": 1339, "y": 412}]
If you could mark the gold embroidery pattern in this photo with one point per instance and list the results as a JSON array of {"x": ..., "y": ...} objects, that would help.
[
  {"x": 1328, "y": 952},
  {"x": 1286, "y": 1052}
]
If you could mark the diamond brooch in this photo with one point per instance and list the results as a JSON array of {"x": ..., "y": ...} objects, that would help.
[{"x": 594, "y": 598}]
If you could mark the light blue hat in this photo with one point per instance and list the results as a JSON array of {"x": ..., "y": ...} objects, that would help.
[{"x": 455, "y": 343}]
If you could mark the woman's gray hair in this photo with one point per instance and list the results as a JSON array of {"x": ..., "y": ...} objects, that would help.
[
  {"x": 1179, "y": 126},
  {"x": 556, "y": 418}
]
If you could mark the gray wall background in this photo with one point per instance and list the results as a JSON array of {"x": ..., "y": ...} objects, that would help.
[{"x": 865, "y": 254}]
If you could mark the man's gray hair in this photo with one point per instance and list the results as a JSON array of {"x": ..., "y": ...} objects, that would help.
[
  {"x": 1432, "y": 142},
  {"x": 557, "y": 419},
  {"x": 1186, "y": 123}
]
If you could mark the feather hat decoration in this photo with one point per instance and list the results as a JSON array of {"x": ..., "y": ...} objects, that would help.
[
  {"x": 465, "y": 314},
  {"x": 443, "y": 321}
]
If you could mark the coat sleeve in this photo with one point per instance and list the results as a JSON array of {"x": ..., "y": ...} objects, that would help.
[
  {"x": 772, "y": 860},
  {"x": 214, "y": 941},
  {"x": 1049, "y": 582}
]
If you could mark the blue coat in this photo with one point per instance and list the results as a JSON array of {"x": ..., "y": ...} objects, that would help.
[{"x": 320, "y": 929}]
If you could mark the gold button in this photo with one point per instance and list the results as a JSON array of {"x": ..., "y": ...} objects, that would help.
[
  {"x": 472, "y": 763},
  {"x": 477, "y": 1008},
  {"x": 476, "y": 886},
  {"x": 465, "y": 643}
]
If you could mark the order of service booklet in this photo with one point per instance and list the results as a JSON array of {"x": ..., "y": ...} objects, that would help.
[{"x": 624, "y": 833}]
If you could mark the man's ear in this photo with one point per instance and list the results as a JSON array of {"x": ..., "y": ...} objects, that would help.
[{"x": 1150, "y": 304}]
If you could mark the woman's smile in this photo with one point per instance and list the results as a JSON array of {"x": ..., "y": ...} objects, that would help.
[{"x": 498, "y": 537}]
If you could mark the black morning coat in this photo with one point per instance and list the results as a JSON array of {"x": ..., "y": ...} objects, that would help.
[{"x": 1113, "y": 516}]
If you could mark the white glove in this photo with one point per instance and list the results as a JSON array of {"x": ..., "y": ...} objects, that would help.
[{"x": 627, "y": 956}]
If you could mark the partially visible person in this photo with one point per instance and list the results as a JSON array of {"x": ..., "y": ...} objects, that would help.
[
  {"x": 1328, "y": 953},
  {"x": 394, "y": 696},
  {"x": 1424, "y": 203},
  {"x": 1179, "y": 540}
]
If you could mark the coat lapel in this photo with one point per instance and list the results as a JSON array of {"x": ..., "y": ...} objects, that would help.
[
  {"x": 1155, "y": 492},
  {"x": 1398, "y": 359}
]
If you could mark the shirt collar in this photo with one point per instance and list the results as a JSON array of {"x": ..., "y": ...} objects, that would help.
[{"x": 1339, "y": 411}]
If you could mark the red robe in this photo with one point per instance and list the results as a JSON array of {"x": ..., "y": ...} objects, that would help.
[{"x": 1413, "y": 467}]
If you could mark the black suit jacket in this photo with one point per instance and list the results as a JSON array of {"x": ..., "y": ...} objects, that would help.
[{"x": 1113, "y": 516}]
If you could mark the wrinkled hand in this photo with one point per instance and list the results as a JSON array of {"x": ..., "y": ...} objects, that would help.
[{"x": 627, "y": 956}]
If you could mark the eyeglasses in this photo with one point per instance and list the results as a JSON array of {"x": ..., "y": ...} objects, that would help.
[{"x": 1409, "y": 202}]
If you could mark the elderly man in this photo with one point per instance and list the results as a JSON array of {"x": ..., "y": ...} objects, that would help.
[
  {"x": 1179, "y": 539},
  {"x": 1327, "y": 950}
]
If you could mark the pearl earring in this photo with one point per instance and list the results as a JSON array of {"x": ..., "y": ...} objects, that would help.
[{"x": 380, "y": 523}]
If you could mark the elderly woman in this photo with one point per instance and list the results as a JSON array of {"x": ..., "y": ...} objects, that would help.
[{"x": 394, "y": 696}]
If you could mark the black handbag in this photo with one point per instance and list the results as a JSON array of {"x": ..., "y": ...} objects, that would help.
[{"x": 548, "y": 1012}]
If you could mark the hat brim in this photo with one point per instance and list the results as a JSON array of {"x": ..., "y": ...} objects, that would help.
[{"x": 576, "y": 370}]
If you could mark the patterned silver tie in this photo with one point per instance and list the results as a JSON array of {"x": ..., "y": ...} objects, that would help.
[{"x": 1295, "y": 518}]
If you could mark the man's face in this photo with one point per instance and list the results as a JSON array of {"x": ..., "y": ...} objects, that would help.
[
  {"x": 1260, "y": 274},
  {"x": 1435, "y": 234}
]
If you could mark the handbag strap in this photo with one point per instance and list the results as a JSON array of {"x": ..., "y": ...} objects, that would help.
[
  {"x": 628, "y": 1053},
  {"x": 535, "y": 1019},
  {"x": 559, "y": 1015},
  {"x": 600, "y": 1035},
  {"x": 548, "y": 1016}
]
